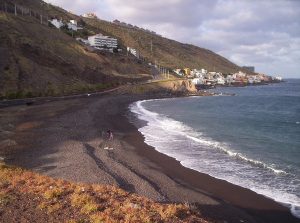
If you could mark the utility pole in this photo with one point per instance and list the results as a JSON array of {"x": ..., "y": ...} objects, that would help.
[{"x": 15, "y": 10}]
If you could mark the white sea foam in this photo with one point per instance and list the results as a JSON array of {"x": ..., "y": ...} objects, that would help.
[
  {"x": 176, "y": 127},
  {"x": 173, "y": 126},
  {"x": 170, "y": 136}
]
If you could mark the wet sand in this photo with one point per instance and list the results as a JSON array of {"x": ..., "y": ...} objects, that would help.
[{"x": 66, "y": 139}]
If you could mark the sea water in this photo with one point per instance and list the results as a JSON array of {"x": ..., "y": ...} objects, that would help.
[{"x": 251, "y": 139}]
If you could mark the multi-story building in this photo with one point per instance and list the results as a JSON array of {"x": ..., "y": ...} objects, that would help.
[{"x": 99, "y": 41}]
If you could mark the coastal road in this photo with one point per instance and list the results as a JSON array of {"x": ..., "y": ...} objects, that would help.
[{"x": 39, "y": 100}]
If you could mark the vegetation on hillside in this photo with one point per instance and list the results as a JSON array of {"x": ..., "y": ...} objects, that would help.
[
  {"x": 27, "y": 196},
  {"x": 166, "y": 52},
  {"x": 38, "y": 60}
]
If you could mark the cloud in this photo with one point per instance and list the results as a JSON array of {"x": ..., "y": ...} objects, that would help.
[{"x": 265, "y": 34}]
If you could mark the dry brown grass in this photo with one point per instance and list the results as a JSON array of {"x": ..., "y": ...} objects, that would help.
[
  {"x": 51, "y": 63},
  {"x": 94, "y": 203}
]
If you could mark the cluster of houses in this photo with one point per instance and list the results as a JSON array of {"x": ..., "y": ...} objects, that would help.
[
  {"x": 200, "y": 77},
  {"x": 204, "y": 79},
  {"x": 127, "y": 25}
]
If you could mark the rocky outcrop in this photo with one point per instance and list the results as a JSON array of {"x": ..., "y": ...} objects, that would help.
[{"x": 179, "y": 86}]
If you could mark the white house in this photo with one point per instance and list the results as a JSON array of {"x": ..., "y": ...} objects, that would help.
[
  {"x": 230, "y": 79},
  {"x": 133, "y": 51},
  {"x": 85, "y": 41},
  {"x": 57, "y": 23},
  {"x": 239, "y": 74},
  {"x": 198, "y": 81},
  {"x": 99, "y": 41},
  {"x": 178, "y": 72},
  {"x": 90, "y": 15},
  {"x": 72, "y": 25},
  {"x": 199, "y": 73},
  {"x": 219, "y": 78}
]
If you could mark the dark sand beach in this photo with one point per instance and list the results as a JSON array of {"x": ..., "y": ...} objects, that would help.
[{"x": 66, "y": 139}]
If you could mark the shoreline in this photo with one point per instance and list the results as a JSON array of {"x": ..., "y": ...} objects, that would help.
[
  {"x": 132, "y": 165},
  {"x": 215, "y": 187},
  {"x": 177, "y": 157}
]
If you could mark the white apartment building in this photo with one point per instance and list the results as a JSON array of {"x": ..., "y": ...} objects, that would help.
[{"x": 99, "y": 41}]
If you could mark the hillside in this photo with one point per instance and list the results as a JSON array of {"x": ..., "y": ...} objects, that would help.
[
  {"x": 38, "y": 60},
  {"x": 166, "y": 52}
]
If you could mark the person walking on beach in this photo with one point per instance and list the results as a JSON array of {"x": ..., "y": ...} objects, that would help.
[{"x": 110, "y": 135}]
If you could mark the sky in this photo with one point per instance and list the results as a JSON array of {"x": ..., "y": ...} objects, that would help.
[{"x": 260, "y": 33}]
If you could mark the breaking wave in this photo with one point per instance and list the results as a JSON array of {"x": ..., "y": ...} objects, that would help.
[
  {"x": 173, "y": 126},
  {"x": 172, "y": 137}
]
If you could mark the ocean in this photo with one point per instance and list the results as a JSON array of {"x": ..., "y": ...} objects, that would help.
[{"x": 251, "y": 139}]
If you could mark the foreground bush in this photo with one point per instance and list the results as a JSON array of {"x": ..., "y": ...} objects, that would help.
[{"x": 29, "y": 197}]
